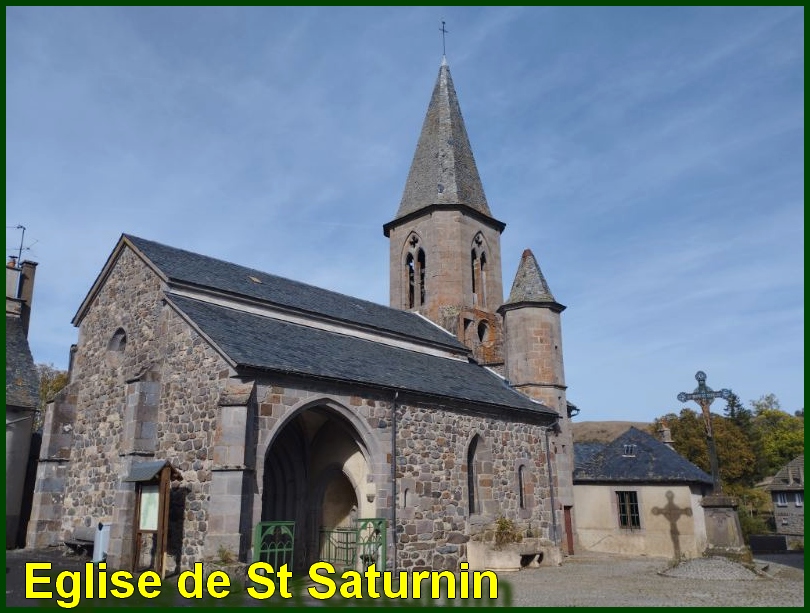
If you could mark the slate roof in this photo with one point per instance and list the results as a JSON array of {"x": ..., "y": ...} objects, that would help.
[
  {"x": 790, "y": 477},
  {"x": 22, "y": 382},
  {"x": 443, "y": 169},
  {"x": 255, "y": 341},
  {"x": 584, "y": 452},
  {"x": 529, "y": 284},
  {"x": 182, "y": 266},
  {"x": 653, "y": 462}
]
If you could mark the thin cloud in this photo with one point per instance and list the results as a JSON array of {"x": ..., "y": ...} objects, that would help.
[{"x": 652, "y": 158}]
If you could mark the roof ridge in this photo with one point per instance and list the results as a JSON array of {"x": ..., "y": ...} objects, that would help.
[{"x": 194, "y": 270}]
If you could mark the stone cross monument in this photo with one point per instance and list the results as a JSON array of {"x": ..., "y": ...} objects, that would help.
[
  {"x": 704, "y": 396},
  {"x": 723, "y": 531}
]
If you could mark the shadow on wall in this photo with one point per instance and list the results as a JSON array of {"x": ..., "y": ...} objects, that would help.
[
  {"x": 673, "y": 513},
  {"x": 174, "y": 539}
]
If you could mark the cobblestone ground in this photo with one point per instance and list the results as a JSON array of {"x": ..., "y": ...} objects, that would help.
[
  {"x": 609, "y": 581},
  {"x": 583, "y": 580}
]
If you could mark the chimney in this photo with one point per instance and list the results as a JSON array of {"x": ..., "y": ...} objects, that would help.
[
  {"x": 26, "y": 292},
  {"x": 665, "y": 435},
  {"x": 12, "y": 278},
  {"x": 73, "y": 349}
]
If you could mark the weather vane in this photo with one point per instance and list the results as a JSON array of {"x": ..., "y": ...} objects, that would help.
[{"x": 444, "y": 31}]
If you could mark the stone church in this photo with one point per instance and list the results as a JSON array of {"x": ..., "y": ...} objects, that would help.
[{"x": 271, "y": 403}]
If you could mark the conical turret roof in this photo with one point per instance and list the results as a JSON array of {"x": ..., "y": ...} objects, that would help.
[
  {"x": 530, "y": 284},
  {"x": 443, "y": 170}
]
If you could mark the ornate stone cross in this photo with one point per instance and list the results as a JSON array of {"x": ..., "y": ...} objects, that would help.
[{"x": 704, "y": 396}]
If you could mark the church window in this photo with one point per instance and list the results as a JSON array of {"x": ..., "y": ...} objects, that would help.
[
  {"x": 629, "y": 517},
  {"x": 478, "y": 268},
  {"x": 473, "y": 267},
  {"x": 421, "y": 263},
  {"x": 415, "y": 269},
  {"x": 483, "y": 279},
  {"x": 118, "y": 342},
  {"x": 472, "y": 477},
  {"x": 411, "y": 280},
  {"x": 522, "y": 486},
  {"x": 116, "y": 347},
  {"x": 483, "y": 331}
]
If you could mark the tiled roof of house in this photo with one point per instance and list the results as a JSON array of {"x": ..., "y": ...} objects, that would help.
[
  {"x": 256, "y": 341},
  {"x": 22, "y": 382},
  {"x": 443, "y": 170},
  {"x": 789, "y": 478},
  {"x": 202, "y": 271},
  {"x": 635, "y": 456}
]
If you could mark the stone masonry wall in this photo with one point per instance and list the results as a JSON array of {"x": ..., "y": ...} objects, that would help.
[
  {"x": 789, "y": 519},
  {"x": 447, "y": 238},
  {"x": 431, "y": 496},
  {"x": 189, "y": 374},
  {"x": 432, "y": 467}
]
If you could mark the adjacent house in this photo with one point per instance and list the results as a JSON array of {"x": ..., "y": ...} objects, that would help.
[
  {"x": 636, "y": 495},
  {"x": 22, "y": 390},
  {"x": 787, "y": 494}
]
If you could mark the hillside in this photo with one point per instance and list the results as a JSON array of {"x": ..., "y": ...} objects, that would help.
[{"x": 604, "y": 431}]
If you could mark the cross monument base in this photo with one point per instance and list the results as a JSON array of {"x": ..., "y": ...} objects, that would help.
[{"x": 723, "y": 530}]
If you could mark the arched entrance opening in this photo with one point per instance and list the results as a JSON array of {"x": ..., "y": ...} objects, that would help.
[
  {"x": 339, "y": 505},
  {"x": 315, "y": 472}
]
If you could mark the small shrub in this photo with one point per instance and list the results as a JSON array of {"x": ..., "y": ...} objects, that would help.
[
  {"x": 752, "y": 525},
  {"x": 506, "y": 532},
  {"x": 224, "y": 556}
]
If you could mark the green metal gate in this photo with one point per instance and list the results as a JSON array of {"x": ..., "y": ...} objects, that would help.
[
  {"x": 364, "y": 542},
  {"x": 371, "y": 542},
  {"x": 274, "y": 543},
  {"x": 339, "y": 547}
]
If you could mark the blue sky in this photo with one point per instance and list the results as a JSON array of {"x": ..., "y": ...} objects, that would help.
[{"x": 651, "y": 158}]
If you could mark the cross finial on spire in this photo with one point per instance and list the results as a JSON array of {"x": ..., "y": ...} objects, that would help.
[{"x": 444, "y": 31}]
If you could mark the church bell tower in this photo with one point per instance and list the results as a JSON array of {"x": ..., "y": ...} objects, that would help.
[{"x": 445, "y": 252}]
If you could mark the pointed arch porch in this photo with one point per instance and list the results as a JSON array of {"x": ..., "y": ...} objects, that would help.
[{"x": 318, "y": 467}]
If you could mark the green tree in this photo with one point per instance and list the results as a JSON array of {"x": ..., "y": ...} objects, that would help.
[
  {"x": 735, "y": 411},
  {"x": 768, "y": 401},
  {"x": 51, "y": 381},
  {"x": 735, "y": 454},
  {"x": 688, "y": 436},
  {"x": 778, "y": 436}
]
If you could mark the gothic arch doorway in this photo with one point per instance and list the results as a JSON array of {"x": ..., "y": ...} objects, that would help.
[
  {"x": 339, "y": 502},
  {"x": 316, "y": 472}
]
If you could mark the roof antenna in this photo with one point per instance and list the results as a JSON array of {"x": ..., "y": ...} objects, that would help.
[
  {"x": 444, "y": 31},
  {"x": 22, "y": 238}
]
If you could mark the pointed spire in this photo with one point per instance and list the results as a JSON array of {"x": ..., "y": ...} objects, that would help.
[
  {"x": 443, "y": 170},
  {"x": 530, "y": 284}
]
